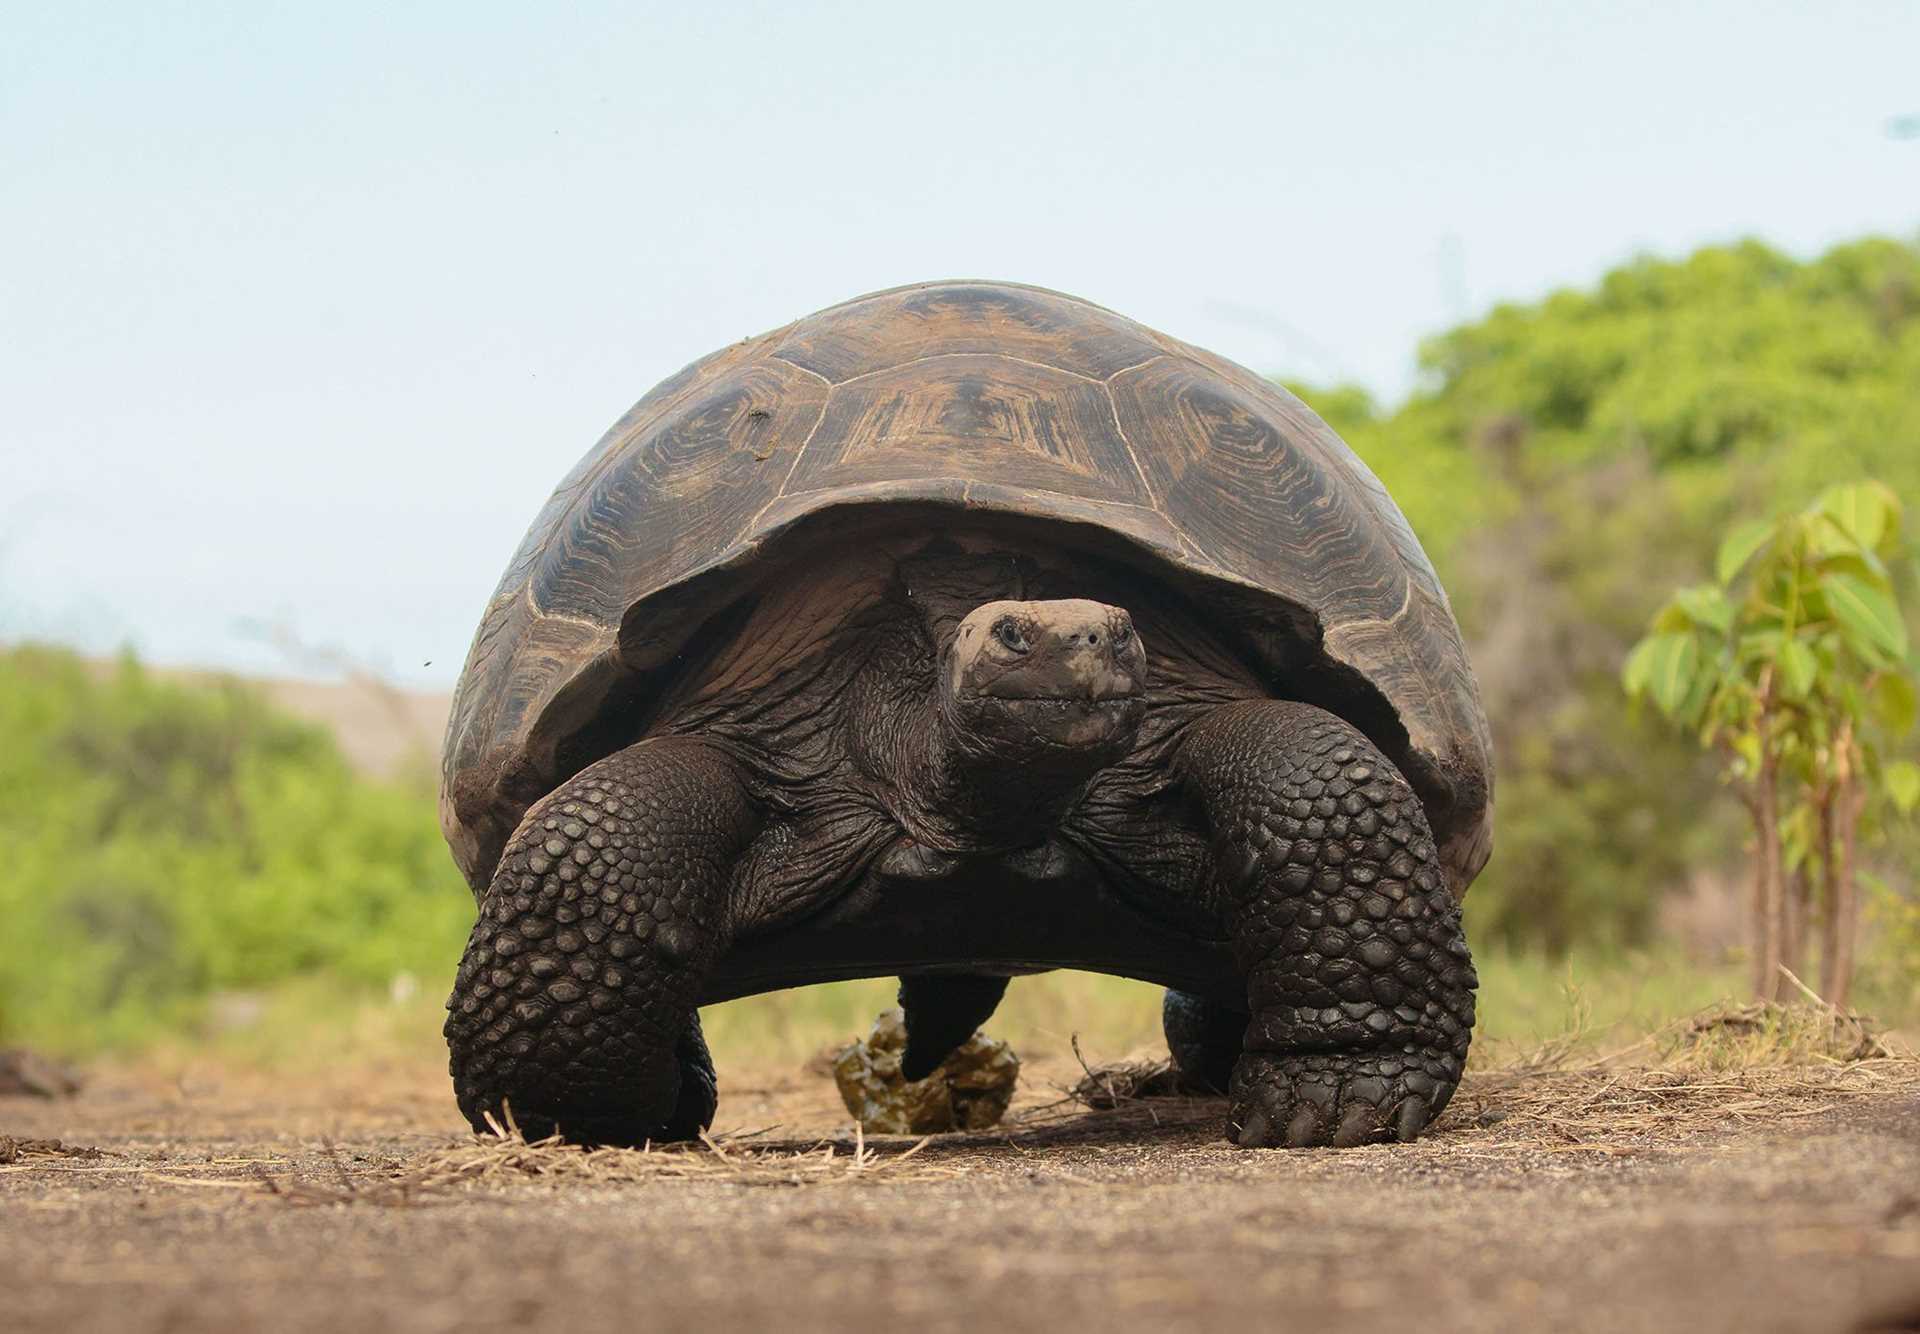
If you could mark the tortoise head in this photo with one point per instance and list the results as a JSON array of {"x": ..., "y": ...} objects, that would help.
[{"x": 1053, "y": 688}]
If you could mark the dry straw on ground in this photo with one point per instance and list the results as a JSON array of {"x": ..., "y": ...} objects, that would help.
[
  {"x": 505, "y": 1157},
  {"x": 1732, "y": 1065},
  {"x": 1733, "y": 1068}
]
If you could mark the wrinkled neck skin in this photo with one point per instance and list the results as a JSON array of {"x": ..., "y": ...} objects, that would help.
[{"x": 973, "y": 800}]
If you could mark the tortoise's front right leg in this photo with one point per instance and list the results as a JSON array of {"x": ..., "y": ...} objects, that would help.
[
  {"x": 1325, "y": 875},
  {"x": 575, "y": 1003}
]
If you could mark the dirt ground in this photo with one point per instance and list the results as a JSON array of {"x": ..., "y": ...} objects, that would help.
[{"x": 1574, "y": 1201}]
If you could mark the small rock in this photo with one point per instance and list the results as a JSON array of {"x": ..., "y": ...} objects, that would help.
[{"x": 26, "y": 1075}]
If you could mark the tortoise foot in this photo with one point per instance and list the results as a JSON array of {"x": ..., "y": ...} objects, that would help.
[{"x": 1340, "y": 1100}]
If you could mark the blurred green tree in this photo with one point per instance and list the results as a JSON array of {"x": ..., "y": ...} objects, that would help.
[{"x": 1567, "y": 461}]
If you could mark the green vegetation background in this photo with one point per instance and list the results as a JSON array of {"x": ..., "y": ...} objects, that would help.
[{"x": 166, "y": 848}]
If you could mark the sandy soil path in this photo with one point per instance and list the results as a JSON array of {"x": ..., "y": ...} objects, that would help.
[{"x": 230, "y": 1202}]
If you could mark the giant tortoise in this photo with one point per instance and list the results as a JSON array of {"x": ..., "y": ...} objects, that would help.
[{"x": 961, "y": 631}]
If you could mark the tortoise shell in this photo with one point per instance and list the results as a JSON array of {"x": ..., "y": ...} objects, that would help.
[{"x": 943, "y": 398}]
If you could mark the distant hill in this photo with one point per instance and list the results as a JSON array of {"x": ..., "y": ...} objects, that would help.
[{"x": 382, "y": 729}]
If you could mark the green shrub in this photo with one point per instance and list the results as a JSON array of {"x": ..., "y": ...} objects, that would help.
[{"x": 168, "y": 842}]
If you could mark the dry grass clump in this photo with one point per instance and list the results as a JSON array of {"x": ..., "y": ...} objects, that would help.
[
  {"x": 1766, "y": 1034},
  {"x": 1106, "y": 1087}
]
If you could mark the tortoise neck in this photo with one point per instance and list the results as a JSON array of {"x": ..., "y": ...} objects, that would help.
[{"x": 971, "y": 799}]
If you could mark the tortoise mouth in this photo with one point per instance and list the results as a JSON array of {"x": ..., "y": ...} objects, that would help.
[
  {"x": 1095, "y": 699},
  {"x": 1100, "y": 728},
  {"x": 1048, "y": 714}
]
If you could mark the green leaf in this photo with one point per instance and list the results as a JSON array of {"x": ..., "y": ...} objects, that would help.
[
  {"x": 1674, "y": 672},
  {"x": 1663, "y": 666},
  {"x": 1739, "y": 546},
  {"x": 1902, "y": 781},
  {"x": 1671, "y": 619},
  {"x": 1869, "y": 512},
  {"x": 1894, "y": 701},
  {"x": 1706, "y": 605},
  {"x": 1760, "y": 645},
  {"x": 1699, "y": 697},
  {"x": 1638, "y": 669},
  {"x": 1855, "y": 561},
  {"x": 1866, "y": 611},
  {"x": 1827, "y": 538},
  {"x": 1798, "y": 668}
]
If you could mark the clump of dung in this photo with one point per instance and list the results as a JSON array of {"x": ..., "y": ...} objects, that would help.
[{"x": 970, "y": 1090}]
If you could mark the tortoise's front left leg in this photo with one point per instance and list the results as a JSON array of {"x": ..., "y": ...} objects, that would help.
[
  {"x": 575, "y": 1003},
  {"x": 1325, "y": 876}
]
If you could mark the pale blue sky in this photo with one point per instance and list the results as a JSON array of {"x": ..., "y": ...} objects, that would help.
[{"x": 305, "y": 308}]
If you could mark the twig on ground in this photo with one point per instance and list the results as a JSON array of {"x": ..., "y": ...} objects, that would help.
[{"x": 13, "y": 1150}]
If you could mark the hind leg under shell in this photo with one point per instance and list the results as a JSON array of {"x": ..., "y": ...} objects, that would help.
[
  {"x": 942, "y": 1011},
  {"x": 574, "y": 1005},
  {"x": 1203, "y": 1037},
  {"x": 1325, "y": 876}
]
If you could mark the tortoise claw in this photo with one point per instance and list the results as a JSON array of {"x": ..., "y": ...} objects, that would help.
[
  {"x": 1342, "y": 1102},
  {"x": 1251, "y": 1133}
]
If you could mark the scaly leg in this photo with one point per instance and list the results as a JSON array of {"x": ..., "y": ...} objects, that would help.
[
  {"x": 574, "y": 1004},
  {"x": 1325, "y": 876}
]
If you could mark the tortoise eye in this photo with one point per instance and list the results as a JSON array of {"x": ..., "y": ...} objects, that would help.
[
  {"x": 1007, "y": 631},
  {"x": 1123, "y": 636}
]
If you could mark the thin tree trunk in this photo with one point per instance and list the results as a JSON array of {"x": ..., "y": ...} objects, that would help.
[
  {"x": 1799, "y": 917},
  {"x": 1851, "y": 801},
  {"x": 1767, "y": 897},
  {"x": 1830, "y": 923},
  {"x": 1768, "y": 901}
]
